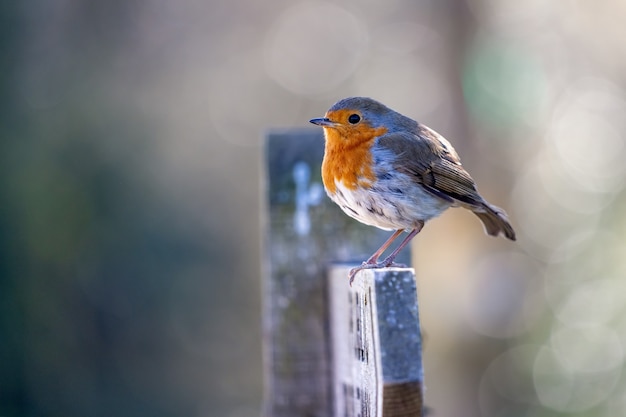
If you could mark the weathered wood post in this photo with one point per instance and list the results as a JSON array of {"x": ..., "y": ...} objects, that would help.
[
  {"x": 308, "y": 372},
  {"x": 376, "y": 343}
]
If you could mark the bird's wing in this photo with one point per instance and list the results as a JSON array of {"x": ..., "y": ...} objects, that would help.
[{"x": 434, "y": 163}]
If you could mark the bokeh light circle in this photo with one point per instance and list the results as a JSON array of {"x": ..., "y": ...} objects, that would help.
[
  {"x": 314, "y": 46},
  {"x": 584, "y": 278},
  {"x": 587, "y": 135},
  {"x": 566, "y": 387},
  {"x": 543, "y": 218},
  {"x": 507, "y": 295},
  {"x": 389, "y": 81},
  {"x": 588, "y": 349},
  {"x": 510, "y": 376},
  {"x": 242, "y": 103}
]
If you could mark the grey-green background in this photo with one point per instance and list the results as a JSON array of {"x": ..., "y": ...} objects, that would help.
[{"x": 130, "y": 156}]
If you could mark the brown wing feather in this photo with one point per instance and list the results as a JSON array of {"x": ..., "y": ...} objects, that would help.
[{"x": 435, "y": 164}]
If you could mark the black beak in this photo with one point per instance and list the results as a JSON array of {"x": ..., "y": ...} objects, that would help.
[{"x": 322, "y": 121}]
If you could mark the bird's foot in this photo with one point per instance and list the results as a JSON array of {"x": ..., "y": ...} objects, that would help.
[{"x": 387, "y": 263}]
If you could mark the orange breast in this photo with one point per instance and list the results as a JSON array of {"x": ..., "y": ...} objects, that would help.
[{"x": 348, "y": 157}]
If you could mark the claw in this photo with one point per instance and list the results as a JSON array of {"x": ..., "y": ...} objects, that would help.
[
  {"x": 373, "y": 263},
  {"x": 387, "y": 263}
]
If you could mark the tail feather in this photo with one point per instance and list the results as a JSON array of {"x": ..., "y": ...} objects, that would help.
[{"x": 495, "y": 221}]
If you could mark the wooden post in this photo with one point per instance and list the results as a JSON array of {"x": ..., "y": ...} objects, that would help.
[
  {"x": 304, "y": 233},
  {"x": 376, "y": 343}
]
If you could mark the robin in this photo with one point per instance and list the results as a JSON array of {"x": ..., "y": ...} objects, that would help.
[{"x": 389, "y": 171}]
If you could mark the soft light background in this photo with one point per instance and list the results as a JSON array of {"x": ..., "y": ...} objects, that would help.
[{"x": 130, "y": 156}]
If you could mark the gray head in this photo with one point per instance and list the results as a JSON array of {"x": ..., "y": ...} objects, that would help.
[{"x": 352, "y": 111}]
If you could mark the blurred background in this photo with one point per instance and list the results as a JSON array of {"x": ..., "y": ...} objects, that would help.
[{"x": 130, "y": 200}]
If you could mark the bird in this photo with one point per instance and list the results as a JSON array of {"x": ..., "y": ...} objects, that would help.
[{"x": 387, "y": 170}]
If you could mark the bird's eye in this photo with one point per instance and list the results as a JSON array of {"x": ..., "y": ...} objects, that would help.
[{"x": 354, "y": 119}]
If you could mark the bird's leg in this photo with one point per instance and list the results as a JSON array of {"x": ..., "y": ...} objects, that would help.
[
  {"x": 372, "y": 262},
  {"x": 388, "y": 261},
  {"x": 374, "y": 258}
]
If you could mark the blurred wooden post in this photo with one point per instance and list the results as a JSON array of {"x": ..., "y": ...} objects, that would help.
[{"x": 304, "y": 232}]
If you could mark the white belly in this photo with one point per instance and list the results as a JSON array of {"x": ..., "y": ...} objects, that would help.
[{"x": 390, "y": 204}]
